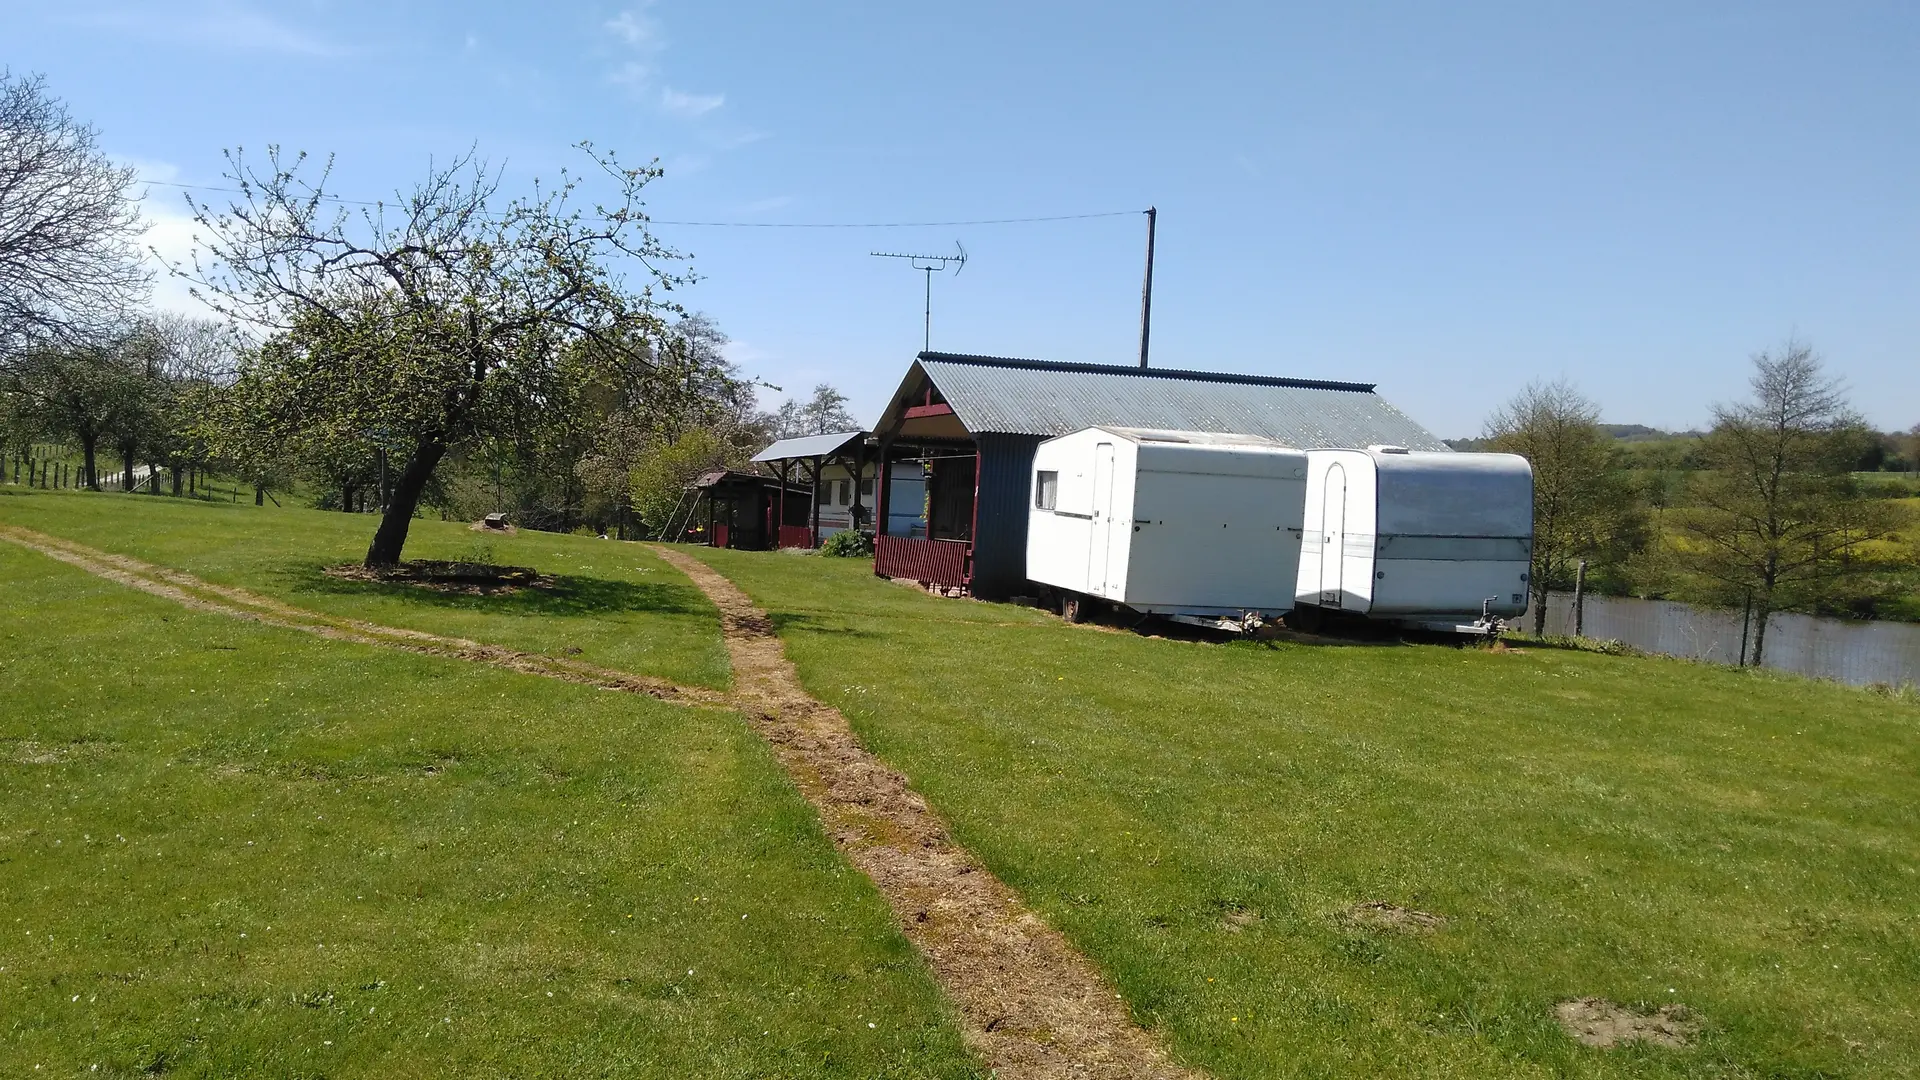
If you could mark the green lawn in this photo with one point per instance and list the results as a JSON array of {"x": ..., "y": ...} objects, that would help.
[
  {"x": 1197, "y": 816},
  {"x": 616, "y": 603},
  {"x": 229, "y": 850},
  {"x": 1194, "y": 816}
]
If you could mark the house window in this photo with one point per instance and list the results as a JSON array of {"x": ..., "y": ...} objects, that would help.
[
  {"x": 1046, "y": 489},
  {"x": 866, "y": 490}
]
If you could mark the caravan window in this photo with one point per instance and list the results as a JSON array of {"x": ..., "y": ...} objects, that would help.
[{"x": 1046, "y": 489}]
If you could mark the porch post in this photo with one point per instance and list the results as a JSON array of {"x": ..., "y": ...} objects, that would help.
[
  {"x": 883, "y": 479},
  {"x": 783, "y": 504},
  {"x": 813, "y": 528},
  {"x": 859, "y": 466}
]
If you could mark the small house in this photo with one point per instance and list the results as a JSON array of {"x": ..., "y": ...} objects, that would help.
[{"x": 971, "y": 425}]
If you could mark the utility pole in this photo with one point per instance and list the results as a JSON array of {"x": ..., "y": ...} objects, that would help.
[
  {"x": 1146, "y": 289},
  {"x": 930, "y": 265}
]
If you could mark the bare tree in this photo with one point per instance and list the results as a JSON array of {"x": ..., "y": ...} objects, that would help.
[
  {"x": 1581, "y": 506},
  {"x": 1777, "y": 515},
  {"x": 69, "y": 231}
]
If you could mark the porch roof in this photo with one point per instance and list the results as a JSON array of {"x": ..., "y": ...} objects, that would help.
[{"x": 809, "y": 446}]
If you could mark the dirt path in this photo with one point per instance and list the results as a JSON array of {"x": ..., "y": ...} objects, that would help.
[
  {"x": 1032, "y": 1006},
  {"x": 184, "y": 588}
]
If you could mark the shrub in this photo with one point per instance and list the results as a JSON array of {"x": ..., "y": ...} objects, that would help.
[{"x": 848, "y": 544}]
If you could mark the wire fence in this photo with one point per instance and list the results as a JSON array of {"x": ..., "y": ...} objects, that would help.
[{"x": 1855, "y": 652}]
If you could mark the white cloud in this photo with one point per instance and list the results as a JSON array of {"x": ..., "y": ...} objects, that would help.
[
  {"x": 689, "y": 105},
  {"x": 169, "y": 236},
  {"x": 640, "y": 75},
  {"x": 637, "y": 30},
  {"x": 170, "y": 233}
]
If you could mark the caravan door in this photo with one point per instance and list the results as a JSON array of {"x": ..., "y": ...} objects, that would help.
[
  {"x": 1333, "y": 537},
  {"x": 1102, "y": 531}
]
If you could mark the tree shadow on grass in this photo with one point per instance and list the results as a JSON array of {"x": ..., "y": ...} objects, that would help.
[
  {"x": 811, "y": 624},
  {"x": 568, "y": 597}
]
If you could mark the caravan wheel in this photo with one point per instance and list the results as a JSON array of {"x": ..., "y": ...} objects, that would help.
[{"x": 1073, "y": 608}]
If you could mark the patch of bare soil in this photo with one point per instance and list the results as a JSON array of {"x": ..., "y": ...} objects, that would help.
[
  {"x": 189, "y": 591},
  {"x": 501, "y": 529},
  {"x": 476, "y": 579},
  {"x": 1031, "y": 1005},
  {"x": 1384, "y": 916},
  {"x": 1239, "y": 919},
  {"x": 1602, "y": 1023},
  {"x": 28, "y": 752}
]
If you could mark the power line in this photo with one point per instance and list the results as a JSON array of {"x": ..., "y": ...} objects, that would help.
[{"x": 745, "y": 224}]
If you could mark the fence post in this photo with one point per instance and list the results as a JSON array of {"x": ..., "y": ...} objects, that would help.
[
  {"x": 1580, "y": 600},
  {"x": 1746, "y": 623}
]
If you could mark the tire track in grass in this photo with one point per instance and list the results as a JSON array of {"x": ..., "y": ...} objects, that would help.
[
  {"x": 190, "y": 591},
  {"x": 1031, "y": 1004}
]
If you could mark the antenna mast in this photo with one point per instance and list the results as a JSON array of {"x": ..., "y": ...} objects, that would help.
[
  {"x": 930, "y": 265},
  {"x": 1146, "y": 288}
]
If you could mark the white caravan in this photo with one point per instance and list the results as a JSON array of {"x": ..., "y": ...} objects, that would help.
[
  {"x": 1437, "y": 541},
  {"x": 1196, "y": 526}
]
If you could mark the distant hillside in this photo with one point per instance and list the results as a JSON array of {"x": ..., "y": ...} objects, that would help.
[{"x": 1621, "y": 432}]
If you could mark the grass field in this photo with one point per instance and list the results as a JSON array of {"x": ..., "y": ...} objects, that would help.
[
  {"x": 230, "y": 850},
  {"x": 616, "y": 603},
  {"x": 1197, "y": 816}
]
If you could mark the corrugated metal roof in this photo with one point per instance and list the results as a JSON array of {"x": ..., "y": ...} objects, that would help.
[
  {"x": 1033, "y": 397},
  {"x": 810, "y": 446}
]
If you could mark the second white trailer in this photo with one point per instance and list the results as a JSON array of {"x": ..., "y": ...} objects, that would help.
[
  {"x": 1195, "y": 525},
  {"x": 1438, "y": 541}
]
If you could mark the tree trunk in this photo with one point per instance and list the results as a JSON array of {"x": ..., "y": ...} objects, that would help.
[
  {"x": 1539, "y": 606},
  {"x": 126, "y": 460},
  {"x": 259, "y": 495},
  {"x": 402, "y": 500},
  {"x": 1762, "y": 609},
  {"x": 346, "y": 497},
  {"x": 93, "y": 473},
  {"x": 177, "y": 471}
]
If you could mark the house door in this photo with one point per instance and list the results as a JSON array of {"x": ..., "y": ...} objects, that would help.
[
  {"x": 1333, "y": 536},
  {"x": 1102, "y": 519}
]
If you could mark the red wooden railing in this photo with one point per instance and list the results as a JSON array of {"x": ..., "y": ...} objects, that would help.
[
  {"x": 720, "y": 533},
  {"x": 930, "y": 562},
  {"x": 796, "y": 536}
]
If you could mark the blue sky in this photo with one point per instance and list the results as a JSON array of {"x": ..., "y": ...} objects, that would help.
[{"x": 1448, "y": 200}]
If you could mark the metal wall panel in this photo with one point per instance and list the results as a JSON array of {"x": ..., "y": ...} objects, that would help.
[{"x": 1000, "y": 535}]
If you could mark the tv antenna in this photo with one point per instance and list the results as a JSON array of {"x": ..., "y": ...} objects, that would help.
[{"x": 930, "y": 265}]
